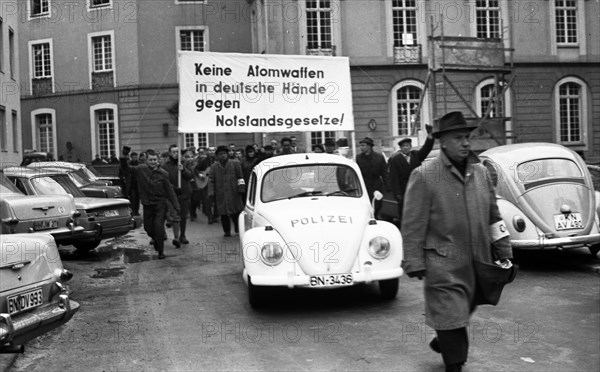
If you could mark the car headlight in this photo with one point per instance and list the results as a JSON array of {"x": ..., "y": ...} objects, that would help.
[
  {"x": 519, "y": 223},
  {"x": 271, "y": 254},
  {"x": 379, "y": 247}
]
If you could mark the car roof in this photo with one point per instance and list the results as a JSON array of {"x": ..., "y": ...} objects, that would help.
[
  {"x": 522, "y": 152},
  {"x": 30, "y": 172},
  {"x": 57, "y": 164}
]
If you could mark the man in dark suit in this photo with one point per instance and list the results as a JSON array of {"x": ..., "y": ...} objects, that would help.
[{"x": 403, "y": 163}]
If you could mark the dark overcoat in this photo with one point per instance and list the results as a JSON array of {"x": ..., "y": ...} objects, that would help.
[
  {"x": 445, "y": 226},
  {"x": 226, "y": 183}
]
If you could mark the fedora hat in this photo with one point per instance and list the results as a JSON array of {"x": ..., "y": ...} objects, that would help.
[
  {"x": 404, "y": 140},
  {"x": 367, "y": 140},
  {"x": 451, "y": 121}
]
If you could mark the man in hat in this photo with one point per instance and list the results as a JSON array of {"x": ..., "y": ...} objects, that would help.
[
  {"x": 227, "y": 188},
  {"x": 450, "y": 217},
  {"x": 403, "y": 163},
  {"x": 373, "y": 168},
  {"x": 330, "y": 146}
]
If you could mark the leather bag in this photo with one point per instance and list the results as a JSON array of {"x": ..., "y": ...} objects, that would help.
[{"x": 491, "y": 279}]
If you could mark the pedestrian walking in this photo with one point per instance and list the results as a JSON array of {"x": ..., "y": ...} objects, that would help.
[
  {"x": 155, "y": 189},
  {"x": 450, "y": 217},
  {"x": 373, "y": 168},
  {"x": 227, "y": 188},
  {"x": 403, "y": 163},
  {"x": 202, "y": 201},
  {"x": 183, "y": 190}
]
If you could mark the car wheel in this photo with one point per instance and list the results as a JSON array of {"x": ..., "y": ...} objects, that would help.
[
  {"x": 256, "y": 295},
  {"x": 389, "y": 288},
  {"x": 594, "y": 249},
  {"x": 87, "y": 246}
]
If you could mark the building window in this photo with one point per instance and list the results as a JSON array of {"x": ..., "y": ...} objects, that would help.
[
  {"x": 41, "y": 67},
  {"x": 566, "y": 21},
  {"x": 11, "y": 52},
  {"x": 192, "y": 40},
  {"x": 488, "y": 19},
  {"x": 318, "y": 24},
  {"x": 105, "y": 133},
  {"x": 44, "y": 132},
  {"x": 1, "y": 45},
  {"x": 489, "y": 96},
  {"x": 3, "y": 129},
  {"x": 570, "y": 113},
  {"x": 102, "y": 53},
  {"x": 15, "y": 131},
  {"x": 42, "y": 60},
  {"x": 39, "y": 8},
  {"x": 319, "y": 138},
  {"x": 404, "y": 18},
  {"x": 94, "y": 4},
  {"x": 196, "y": 140},
  {"x": 405, "y": 99}
]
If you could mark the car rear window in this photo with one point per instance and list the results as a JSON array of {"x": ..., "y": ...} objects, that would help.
[
  {"x": 541, "y": 169},
  {"x": 6, "y": 186},
  {"x": 312, "y": 180}
]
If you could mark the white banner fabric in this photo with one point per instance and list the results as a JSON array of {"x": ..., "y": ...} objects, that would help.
[{"x": 250, "y": 93}]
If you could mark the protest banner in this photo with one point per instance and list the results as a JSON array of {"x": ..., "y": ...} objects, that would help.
[{"x": 250, "y": 93}]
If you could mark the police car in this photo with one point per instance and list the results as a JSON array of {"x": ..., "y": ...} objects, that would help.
[{"x": 308, "y": 223}]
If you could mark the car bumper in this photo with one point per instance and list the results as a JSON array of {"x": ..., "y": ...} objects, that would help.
[
  {"x": 292, "y": 280},
  {"x": 568, "y": 242},
  {"x": 20, "y": 328},
  {"x": 66, "y": 234}
]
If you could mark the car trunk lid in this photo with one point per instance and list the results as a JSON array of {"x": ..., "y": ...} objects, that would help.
[{"x": 40, "y": 207}]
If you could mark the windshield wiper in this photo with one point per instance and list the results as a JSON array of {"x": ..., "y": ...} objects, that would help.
[
  {"x": 344, "y": 192},
  {"x": 307, "y": 193}
]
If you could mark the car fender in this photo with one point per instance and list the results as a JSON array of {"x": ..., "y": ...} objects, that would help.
[
  {"x": 509, "y": 211},
  {"x": 252, "y": 243},
  {"x": 392, "y": 234}
]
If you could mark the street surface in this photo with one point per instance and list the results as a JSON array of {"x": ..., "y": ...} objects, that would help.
[{"x": 190, "y": 312}]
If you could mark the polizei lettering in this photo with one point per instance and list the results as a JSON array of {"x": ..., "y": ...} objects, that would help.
[{"x": 314, "y": 220}]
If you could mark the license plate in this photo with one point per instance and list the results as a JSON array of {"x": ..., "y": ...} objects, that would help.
[
  {"x": 332, "y": 280},
  {"x": 24, "y": 301},
  {"x": 45, "y": 225},
  {"x": 111, "y": 213},
  {"x": 568, "y": 221}
]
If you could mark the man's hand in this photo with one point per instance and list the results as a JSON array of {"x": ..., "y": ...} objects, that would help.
[
  {"x": 417, "y": 274},
  {"x": 428, "y": 128}
]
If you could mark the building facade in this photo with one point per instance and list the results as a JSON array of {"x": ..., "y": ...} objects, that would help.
[
  {"x": 10, "y": 107},
  {"x": 102, "y": 73}
]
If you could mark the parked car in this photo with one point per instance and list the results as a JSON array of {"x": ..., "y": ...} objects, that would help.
[
  {"x": 308, "y": 223},
  {"x": 84, "y": 178},
  {"x": 36, "y": 156},
  {"x": 20, "y": 213},
  {"x": 102, "y": 218},
  {"x": 546, "y": 196},
  {"x": 34, "y": 296}
]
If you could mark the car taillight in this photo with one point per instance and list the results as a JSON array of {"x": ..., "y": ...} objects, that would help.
[{"x": 519, "y": 223}]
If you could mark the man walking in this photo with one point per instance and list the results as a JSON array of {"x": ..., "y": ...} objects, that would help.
[
  {"x": 183, "y": 190},
  {"x": 450, "y": 217},
  {"x": 373, "y": 168},
  {"x": 403, "y": 163},
  {"x": 154, "y": 189},
  {"x": 227, "y": 187}
]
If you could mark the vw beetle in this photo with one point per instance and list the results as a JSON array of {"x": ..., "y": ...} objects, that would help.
[
  {"x": 309, "y": 223},
  {"x": 546, "y": 196}
]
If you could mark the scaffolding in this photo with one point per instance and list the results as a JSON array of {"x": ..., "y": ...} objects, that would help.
[{"x": 453, "y": 56}]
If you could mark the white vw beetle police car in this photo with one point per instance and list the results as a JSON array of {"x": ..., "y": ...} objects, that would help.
[{"x": 308, "y": 222}]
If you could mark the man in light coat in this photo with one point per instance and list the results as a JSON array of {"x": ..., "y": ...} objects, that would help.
[{"x": 450, "y": 219}]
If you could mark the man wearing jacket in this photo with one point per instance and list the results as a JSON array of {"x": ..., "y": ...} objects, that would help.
[
  {"x": 403, "y": 163},
  {"x": 373, "y": 168},
  {"x": 450, "y": 219},
  {"x": 183, "y": 190},
  {"x": 154, "y": 189}
]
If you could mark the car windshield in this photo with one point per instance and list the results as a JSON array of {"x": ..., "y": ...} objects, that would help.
[
  {"x": 7, "y": 187},
  {"x": 81, "y": 178},
  {"x": 547, "y": 169},
  {"x": 310, "y": 180},
  {"x": 55, "y": 185}
]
